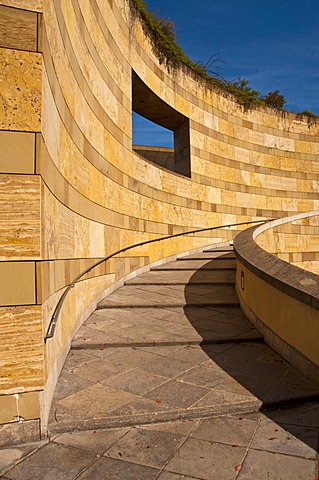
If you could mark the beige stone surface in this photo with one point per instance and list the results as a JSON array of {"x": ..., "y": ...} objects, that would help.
[
  {"x": 52, "y": 276},
  {"x": 8, "y": 408},
  {"x": 20, "y": 90},
  {"x": 20, "y": 217},
  {"x": 21, "y": 341},
  {"x": 18, "y": 29},
  {"x": 35, "y": 5},
  {"x": 17, "y": 152},
  {"x": 97, "y": 85},
  {"x": 19, "y": 407},
  {"x": 280, "y": 143},
  {"x": 17, "y": 283},
  {"x": 28, "y": 404},
  {"x": 295, "y": 242}
]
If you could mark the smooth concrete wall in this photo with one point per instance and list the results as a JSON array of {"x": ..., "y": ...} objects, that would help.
[
  {"x": 72, "y": 189},
  {"x": 279, "y": 298}
]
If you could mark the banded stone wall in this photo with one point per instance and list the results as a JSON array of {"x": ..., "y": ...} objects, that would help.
[
  {"x": 296, "y": 242},
  {"x": 22, "y": 373},
  {"x": 280, "y": 298},
  {"x": 72, "y": 189}
]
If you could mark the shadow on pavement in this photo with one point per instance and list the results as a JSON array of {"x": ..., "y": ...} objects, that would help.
[{"x": 288, "y": 397}]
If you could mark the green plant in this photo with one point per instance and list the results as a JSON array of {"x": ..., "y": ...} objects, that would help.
[
  {"x": 167, "y": 26},
  {"x": 311, "y": 117},
  {"x": 274, "y": 100},
  {"x": 211, "y": 66},
  {"x": 161, "y": 32},
  {"x": 245, "y": 95}
]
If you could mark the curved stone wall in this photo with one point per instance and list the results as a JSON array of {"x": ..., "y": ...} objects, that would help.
[
  {"x": 280, "y": 299},
  {"x": 74, "y": 189},
  {"x": 294, "y": 240}
]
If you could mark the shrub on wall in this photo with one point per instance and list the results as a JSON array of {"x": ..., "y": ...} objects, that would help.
[{"x": 161, "y": 31}]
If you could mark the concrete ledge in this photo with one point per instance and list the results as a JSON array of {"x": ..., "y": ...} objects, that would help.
[{"x": 280, "y": 299}]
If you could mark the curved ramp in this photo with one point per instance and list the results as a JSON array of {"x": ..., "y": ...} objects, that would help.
[{"x": 172, "y": 344}]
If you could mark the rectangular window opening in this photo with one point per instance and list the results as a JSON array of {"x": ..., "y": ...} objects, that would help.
[{"x": 160, "y": 133}]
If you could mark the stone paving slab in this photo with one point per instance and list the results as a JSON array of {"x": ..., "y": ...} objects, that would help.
[
  {"x": 174, "y": 295},
  {"x": 145, "y": 385},
  {"x": 202, "y": 264},
  {"x": 216, "y": 255},
  {"x": 134, "y": 385},
  {"x": 224, "y": 249},
  {"x": 183, "y": 277},
  {"x": 53, "y": 461},
  {"x": 268, "y": 446},
  {"x": 261, "y": 465},
  {"x": 175, "y": 325},
  {"x": 11, "y": 456}
]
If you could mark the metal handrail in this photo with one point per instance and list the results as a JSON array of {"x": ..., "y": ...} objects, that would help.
[{"x": 55, "y": 315}]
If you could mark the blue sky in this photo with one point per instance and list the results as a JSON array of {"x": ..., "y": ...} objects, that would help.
[{"x": 273, "y": 44}]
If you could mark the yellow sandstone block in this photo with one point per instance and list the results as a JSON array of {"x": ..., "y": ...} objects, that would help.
[
  {"x": 17, "y": 283},
  {"x": 21, "y": 356},
  {"x": 20, "y": 204},
  {"x": 19, "y": 407},
  {"x": 20, "y": 90},
  {"x": 17, "y": 152},
  {"x": 18, "y": 29},
  {"x": 35, "y": 5},
  {"x": 226, "y": 128}
]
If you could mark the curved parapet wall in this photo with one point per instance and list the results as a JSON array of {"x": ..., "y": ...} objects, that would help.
[
  {"x": 296, "y": 241},
  {"x": 279, "y": 298},
  {"x": 73, "y": 190}
]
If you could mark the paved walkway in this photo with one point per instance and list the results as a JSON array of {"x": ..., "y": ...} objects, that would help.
[{"x": 168, "y": 380}]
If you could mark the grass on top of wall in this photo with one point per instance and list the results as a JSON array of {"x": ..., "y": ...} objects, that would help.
[{"x": 164, "y": 42}]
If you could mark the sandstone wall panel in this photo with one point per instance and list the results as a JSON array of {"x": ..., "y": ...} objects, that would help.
[
  {"x": 17, "y": 154},
  {"x": 32, "y": 5},
  {"x": 22, "y": 361},
  {"x": 20, "y": 222},
  {"x": 18, "y": 29},
  {"x": 20, "y": 90}
]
